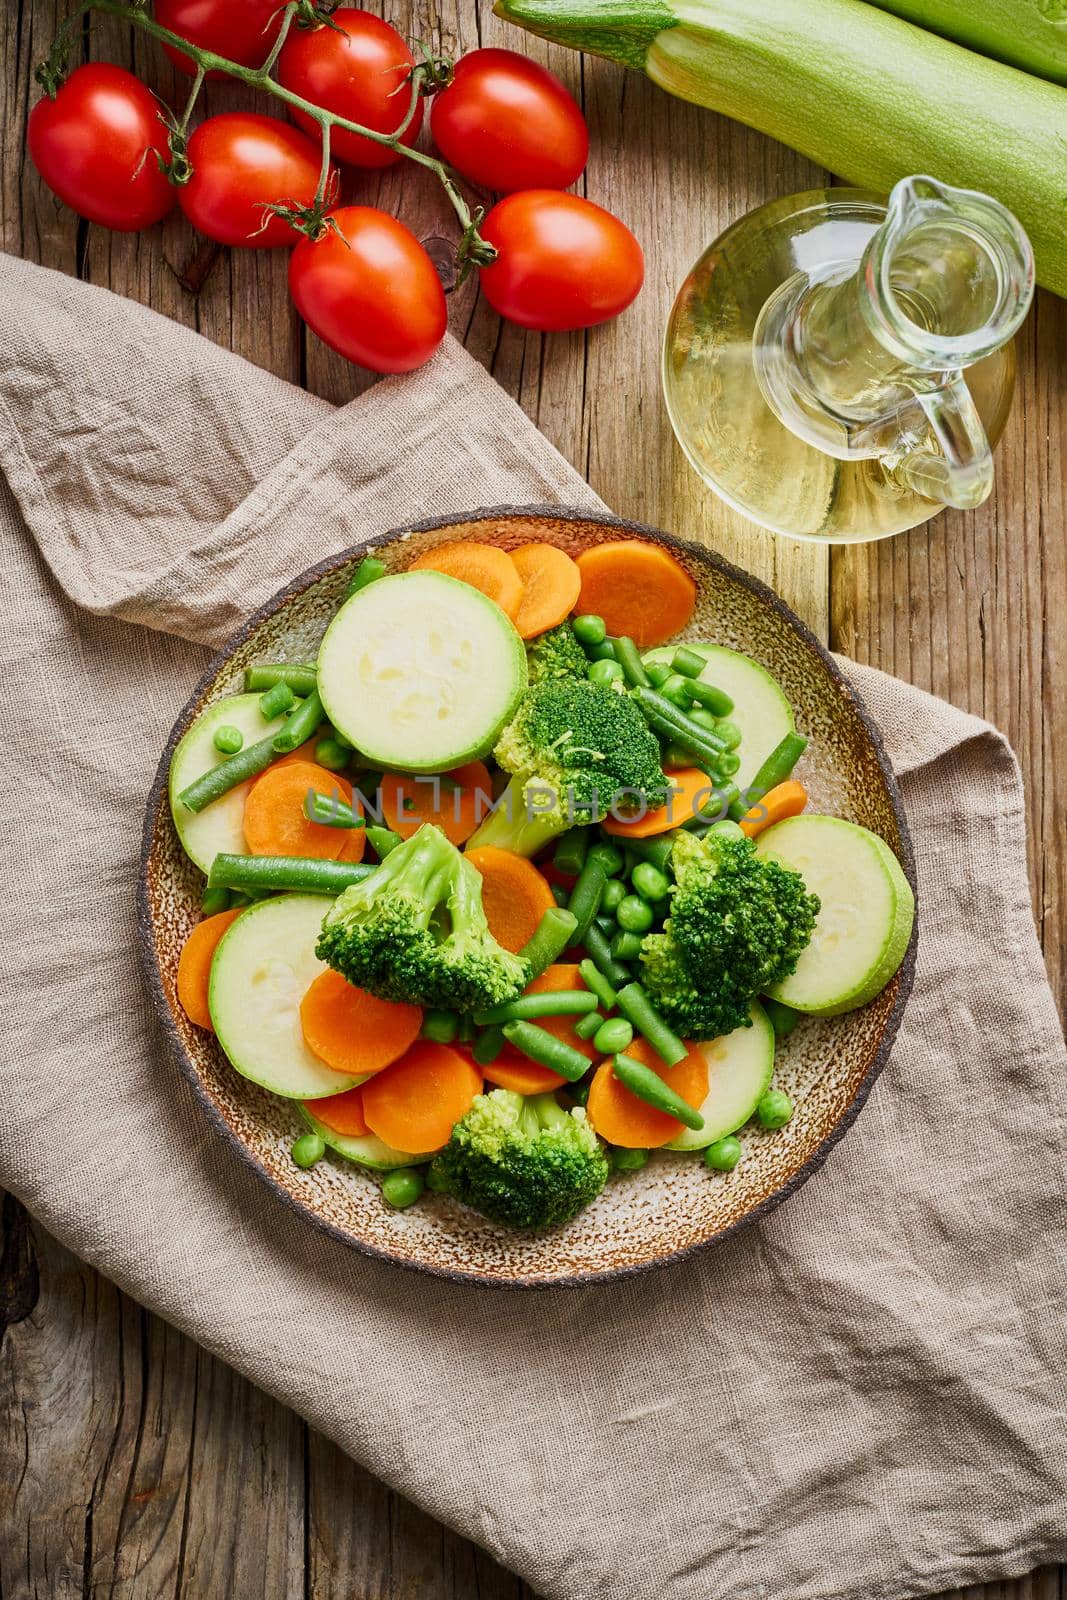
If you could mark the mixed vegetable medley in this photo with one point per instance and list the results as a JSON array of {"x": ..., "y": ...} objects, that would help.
[{"x": 506, "y": 890}]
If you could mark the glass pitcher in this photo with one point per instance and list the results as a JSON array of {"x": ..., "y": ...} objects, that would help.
[{"x": 839, "y": 367}]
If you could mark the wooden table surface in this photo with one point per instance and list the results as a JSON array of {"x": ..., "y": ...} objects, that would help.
[{"x": 132, "y": 1464}]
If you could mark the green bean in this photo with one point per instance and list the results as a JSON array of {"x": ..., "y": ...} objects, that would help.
[
  {"x": 637, "y": 1008},
  {"x": 718, "y": 806},
  {"x": 657, "y": 852},
  {"x": 214, "y": 901},
  {"x": 783, "y": 1019},
  {"x": 488, "y": 1046},
  {"x": 673, "y": 689},
  {"x": 382, "y": 840},
  {"x": 651, "y": 884},
  {"x": 466, "y": 1028},
  {"x": 626, "y": 654},
  {"x": 332, "y": 755},
  {"x": 728, "y": 764},
  {"x": 658, "y": 672},
  {"x": 671, "y": 723},
  {"x": 687, "y": 663},
  {"x": 309, "y": 1148},
  {"x": 548, "y": 1051},
  {"x": 629, "y": 1160},
  {"x": 555, "y": 931},
  {"x": 704, "y": 718},
  {"x": 330, "y": 810},
  {"x": 299, "y": 725},
  {"x": 589, "y": 630},
  {"x": 607, "y": 925},
  {"x": 647, "y": 1085},
  {"x": 579, "y": 1093},
  {"x": 548, "y": 1003},
  {"x": 713, "y": 699},
  {"x": 402, "y": 1187},
  {"x": 585, "y": 896},
  {"x": 266, "y": 874},
  {"x": 569, "y": 856},
  {"x": 597, "y": 984},
  {"x": 600, "y": 952},
  {"x": 440, "y": 1026},
  {"x": 369, "y": 570},
  {"x": 612, "y": 1036},
  {"x": 276, "y": 702},
  {"x": 559, "y": 894},
  {"x": 609, "y": 855},
  {"x": 228, "y": 739},
  {"x": 626, "y": 946},
  {"x": 728, "y": 732},
  {"x": 217, "y": 781},
  {"x": 635, "y": 915},
  {"x": 588, "y": 1025},
  {"x": 778, "y": 765},
  {"x": 301, "y": 679}
]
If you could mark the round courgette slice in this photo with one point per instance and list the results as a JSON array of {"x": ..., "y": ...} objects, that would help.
[
  {"x": 740, "y": 1066},
  {"x": 366, "y": 1150},
  {"x": 761, "y": 710},
  {"x": 219, "y": 828}
]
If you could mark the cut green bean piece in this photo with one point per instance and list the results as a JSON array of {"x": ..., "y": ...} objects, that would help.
[
  {"x": 332, "y": 755},
  {"x": 609, "y": 856},
  {"x": 648, "y": 1086},
  {"x": 588, "y": 1025},
  {"x": 600, "y": 951},
  {"x": 440, "y": 1026},
  {"x": 330, "y": 810},
  {"x": 549, "y": 1003},
  {"x": 369, "y": 570},
  {"x": 301, "y": 679},
  {"x": 728, "y": 764},
  {"x": 715, "y": 700},
  {"x": 687, "y": 663},
  {"x": 488, "y": 1046},
  {"x": 597, "y": 984},
  {"x": 548, "y": 1051},
  {"x": 637, "y": 1008},
  {"x": 629, "y": 659},
  {"x": 612, "y": 1036},
  {"x": 657, "y": 673},
  {"x": 382, "y": 840},
  {"x": 629, "y": 1160},
  {"x": 560, "y": 895},
  {"x": 655, "y": 851},
  {"x": 276, "y": 702},
  {"x": 555, "y": 931},
  {"x": 778, "y": 766},
  {"x": 585, "y": 896},
  {"x": 214, "y": 901},
  {"x": 255, "y": 875},
  {"x": 626, "y": 946},
  {"x": 570, "y": 852},
  {"x": 247, "y": 763},
  {"x": 673, "y": 724},
  {"x": 579, "y": 1093}
]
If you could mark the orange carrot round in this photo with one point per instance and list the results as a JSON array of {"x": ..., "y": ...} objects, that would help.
[
  {"x": 786, "y": 799},
  {"x": 342, "y": 1113},
  {"x": 551, "y": 584},
  {"x": 274, "y": 820},
  {"x": 353, "y": 1031},
  {"x": 414, "y": 1104},
  {"x": 514, "y": 894},
  {"x": 513, "y": 1070},
  {"x": 194, "y": 966},
  {"x": 621, "y": 1118},
  {"x": 455, "y": 803},
  {"x": 639, "y": 589},
  {"x": 483, "y": 566},
  {"x": 694, "y": 789}
]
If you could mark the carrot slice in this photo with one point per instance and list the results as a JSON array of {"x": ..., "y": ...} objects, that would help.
[
  {"x": 455, "y": 802},
  {"x": 342, "y": 1113},
  {"x": 786, "y": 799},
  {"x": 483, "y": 566},
  {"x": 414, "y": 1104},
  {"x": 513, "y": 1070},
  {"x": 514, "y": 894},
  {"x": 551, "y": 584},
  {"x": 621, "y": 1118},
  {"x": 274, "y": 820},
  {"x": 194, "y": 966},
  {"x": 639, "y": 589},
  {"x": 353, "y": 1031},
  {"x": 303, "y": 752},
  {"x": 694, "y": 789}
]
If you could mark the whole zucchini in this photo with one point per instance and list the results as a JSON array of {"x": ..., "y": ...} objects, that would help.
[
  {"x": 1031, "y": 34},
  {"x": 861, "y": 92}
]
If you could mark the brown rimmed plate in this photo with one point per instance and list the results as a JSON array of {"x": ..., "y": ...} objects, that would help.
[{"x": 674, "y": 1205}]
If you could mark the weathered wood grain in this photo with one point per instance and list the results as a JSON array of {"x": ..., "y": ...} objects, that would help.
[{"x": 132, "y": 1465}]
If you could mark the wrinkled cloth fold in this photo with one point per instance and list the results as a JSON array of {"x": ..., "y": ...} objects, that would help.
[{"x": 860, "y": 1396}]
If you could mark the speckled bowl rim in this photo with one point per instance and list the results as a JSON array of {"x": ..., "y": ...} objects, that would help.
[{"x": 158, "y": 793}]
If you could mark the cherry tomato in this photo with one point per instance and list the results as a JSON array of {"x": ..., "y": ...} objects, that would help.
[
  {"x": 240, "y": 30},
  {"x": 371, "y": 294},
  {"x": 564, "y": 263},
  {"x": 241, "y": 162},
  {"x": 358, "y": 68},
  {"x": 509, "y": 124},
  {"x": 93, "y": 145}
]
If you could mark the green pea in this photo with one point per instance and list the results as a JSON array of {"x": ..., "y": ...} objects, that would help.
[
  {"x": 331, "y": 755},
  {"x": 774, "y": 1109},
  {"x": 728, "y": 829},
  {"x": 626, "y": 946},
  {"x": 228, "y": 739},
  {"x": 614, "y": 893},
  {"x": 402, "y": 1187},
  {"x": 634, "y": 914},
  {"x": 309, "y": 1148},
  {"x": 674, "y": 690},
  {"x": 727, "y": 764},
  {"x": 440, "y": 1026},
  {"x": 605, "y": 672},
  {"x": 650, "y": 883},
  {"x": 604, "y": 651},
  {"x": 728, "y": 732},
  {"x": 629, "y": 1160},
  {"x": 609, "y": 856},
  {"x": 723, "y": 1155},
  {"x": 589, "y": 630},
  {"x": 613, "y": 1036},
  {"x": 704, "y": 718},
  {"x": 589, "y": 1026}
]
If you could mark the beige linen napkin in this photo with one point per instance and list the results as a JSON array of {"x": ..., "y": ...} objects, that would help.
[{"x": 862, "y": 1396}]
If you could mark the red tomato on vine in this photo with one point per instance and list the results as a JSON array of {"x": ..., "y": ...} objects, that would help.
[
  {"x": 564, "y": 263},
  {"x": 370, "y": 291},
  {"x": 96, "y": 147},
  {"x": 509, "y": 124},
  {"x": 241, "y": 30},
  {"x": 358, "y": 68},
  {"x": 242, "y": 162}
]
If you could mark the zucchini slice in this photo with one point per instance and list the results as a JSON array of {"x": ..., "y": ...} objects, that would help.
[
  {"x": 761, "y": 710},
  {"x": 220, "y": 826},
  {"x": 366, "y": 1150},
  {"x": 740, "y": 1067}
]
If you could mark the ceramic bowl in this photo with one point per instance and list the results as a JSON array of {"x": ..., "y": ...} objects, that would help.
[{"x": 674, "y": 1205}]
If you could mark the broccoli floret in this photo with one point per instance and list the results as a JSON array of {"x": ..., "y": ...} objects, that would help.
[
  {"x": 522, "y": 1161},
  {"x": 415, "y": 930},
  {"x": 556, "y": 654},
  {"x": 576, "y": 750},
  {"x": 737, "y": 923}
]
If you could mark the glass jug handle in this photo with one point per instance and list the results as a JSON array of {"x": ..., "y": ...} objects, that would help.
[{"x": 962, "y": 475}]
